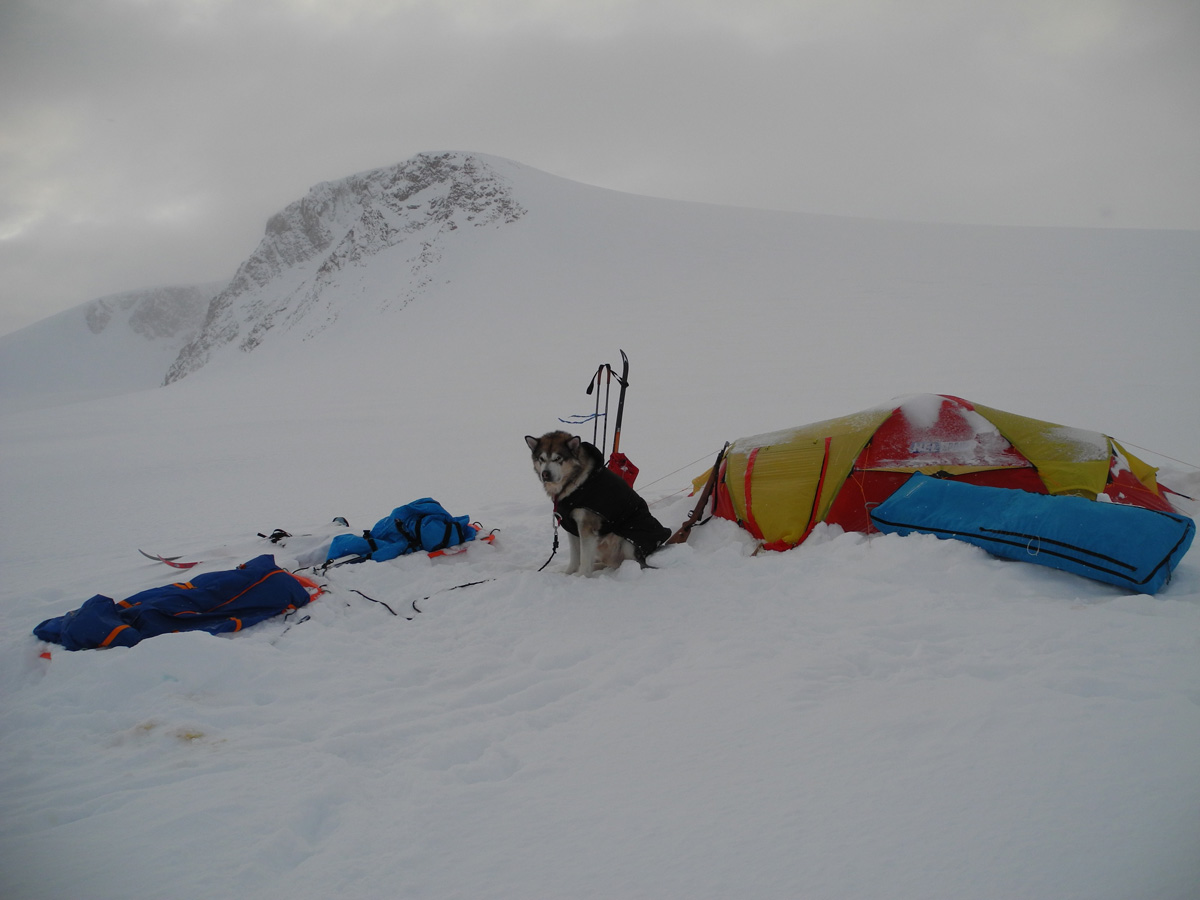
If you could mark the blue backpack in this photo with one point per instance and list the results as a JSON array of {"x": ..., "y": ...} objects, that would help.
[{"x": 421, "y": 525}]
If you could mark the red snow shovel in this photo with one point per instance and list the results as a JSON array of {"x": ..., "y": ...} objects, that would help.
[{"x": 618, "y": 462}]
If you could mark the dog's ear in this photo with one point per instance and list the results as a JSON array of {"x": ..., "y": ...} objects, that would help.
[
  {"x": 574, "y": 442},
  {"x": 531, "y": 441}
]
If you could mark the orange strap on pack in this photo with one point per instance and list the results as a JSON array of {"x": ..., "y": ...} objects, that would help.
[{"x": 314, "y": 589}]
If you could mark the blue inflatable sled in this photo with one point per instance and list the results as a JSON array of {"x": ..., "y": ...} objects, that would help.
[{"x": 1127, "y": 546}]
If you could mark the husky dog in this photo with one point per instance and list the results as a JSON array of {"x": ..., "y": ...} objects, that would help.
[{"x": 607, "y": 521}]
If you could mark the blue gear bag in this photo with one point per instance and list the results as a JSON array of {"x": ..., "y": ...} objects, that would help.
[{"x": 421, "y": 525}]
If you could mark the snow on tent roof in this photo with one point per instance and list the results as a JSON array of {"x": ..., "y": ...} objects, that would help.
[{"x": 781, "y": 484}]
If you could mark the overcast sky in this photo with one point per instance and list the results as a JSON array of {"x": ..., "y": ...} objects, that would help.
[{"x": 146, "y": 142}]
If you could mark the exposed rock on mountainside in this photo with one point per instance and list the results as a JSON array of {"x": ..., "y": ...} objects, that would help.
[
  {"x": 157, "y": 313},
  {"x": 404, "y": 211}
]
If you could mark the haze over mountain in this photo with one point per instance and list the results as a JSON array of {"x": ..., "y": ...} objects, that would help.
[{"x": 430, "y": 262}]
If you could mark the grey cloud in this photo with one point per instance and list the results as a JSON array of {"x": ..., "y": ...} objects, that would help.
[{"x": 148, "y": 143}]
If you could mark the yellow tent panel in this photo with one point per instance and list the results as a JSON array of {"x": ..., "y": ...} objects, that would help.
[{"x": 780, "y": 484}]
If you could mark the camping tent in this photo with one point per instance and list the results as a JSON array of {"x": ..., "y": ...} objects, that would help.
[{"x": 780, "y": 485}]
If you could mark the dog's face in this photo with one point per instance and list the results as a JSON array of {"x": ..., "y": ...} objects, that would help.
[{"x": 555, "y": 459}]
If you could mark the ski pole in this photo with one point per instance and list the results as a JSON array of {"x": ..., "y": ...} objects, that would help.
[
  {"x": 607, "y": 394},
  {"x": 596, "y": 415},
  {"x": 623, "y": 380}
]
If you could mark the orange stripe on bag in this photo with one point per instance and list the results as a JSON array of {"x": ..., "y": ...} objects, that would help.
[
  {"x": 251, "y": 587},
  {"x": 112, "y": 634}
]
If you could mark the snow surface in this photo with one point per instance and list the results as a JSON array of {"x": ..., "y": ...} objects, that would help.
[{"x": 874, "y": 717}]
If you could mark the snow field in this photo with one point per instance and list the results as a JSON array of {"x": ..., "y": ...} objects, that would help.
[{"x": 904, "y": 716}]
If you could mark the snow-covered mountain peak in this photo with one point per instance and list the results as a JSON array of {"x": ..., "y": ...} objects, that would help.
[{"x": 313, "y": 249}]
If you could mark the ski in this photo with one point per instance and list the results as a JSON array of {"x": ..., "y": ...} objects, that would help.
[
  {"x": 172, "y": 561},
  {"x": 462, "y": 548}
]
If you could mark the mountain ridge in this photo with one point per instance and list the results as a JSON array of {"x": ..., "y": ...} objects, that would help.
[{"x": 341, "y": 224}]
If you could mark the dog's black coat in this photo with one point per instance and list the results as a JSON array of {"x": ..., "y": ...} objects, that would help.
[{"x": 624, "y": 512}]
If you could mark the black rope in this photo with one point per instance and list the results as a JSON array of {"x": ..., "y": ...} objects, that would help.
[
  {"x": 290, "y": 624},
  {"x": 456, "y": 587},
  {"x": 373, "y": 600},
  {"x": 416, "y": 608}
]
